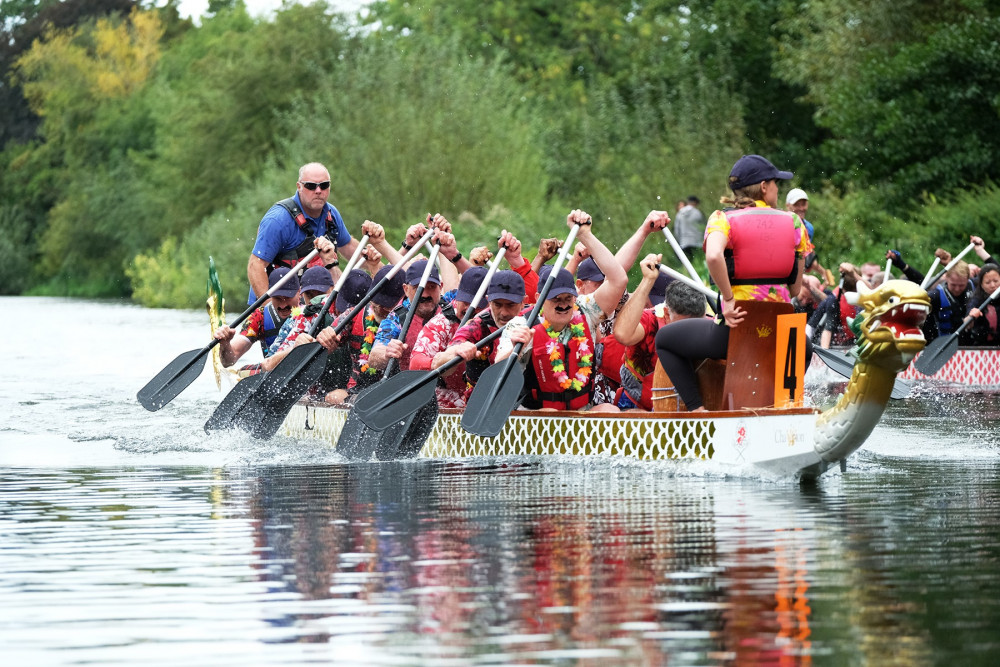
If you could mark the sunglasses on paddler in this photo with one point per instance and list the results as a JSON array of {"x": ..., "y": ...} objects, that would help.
[{"x": 309, "y": 185}]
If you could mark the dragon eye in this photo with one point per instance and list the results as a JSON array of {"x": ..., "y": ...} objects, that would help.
[{"x": 893, "y": 300}]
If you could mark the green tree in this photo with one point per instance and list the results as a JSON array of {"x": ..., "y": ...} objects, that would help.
[
  {"x": 910, "y": 92},
  {"x": 80, "y": 82}
]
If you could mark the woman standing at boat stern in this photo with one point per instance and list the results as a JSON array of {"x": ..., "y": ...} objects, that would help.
[{"x": 754, "y": 252}]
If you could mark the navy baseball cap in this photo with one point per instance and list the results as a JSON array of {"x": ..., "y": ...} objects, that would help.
[
  {"x": 588, "y": 270},
  {"x": 416, "y": 271},
  {"x": 472, "y": 279},
  {"x": 506, "y": 285},
  {"x": 751, "y": 169},
  {"x": 316, "y": 279},
  {"x": 656, "y": 295},
  {"x": 290, "y": 288},
  {"x": 563, "y": 284},
  {"x": 353, "y": 290},
  {"x": 392, "y": 292}
]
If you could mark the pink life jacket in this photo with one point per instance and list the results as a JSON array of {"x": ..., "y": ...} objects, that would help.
[{"x": 762, "y": 246}]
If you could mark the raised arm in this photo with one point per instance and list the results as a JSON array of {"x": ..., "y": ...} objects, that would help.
[
  {"x": 610, "y": 292},
  {"x": 628, "y": 323},
  {"x": 629, "y": 252}
]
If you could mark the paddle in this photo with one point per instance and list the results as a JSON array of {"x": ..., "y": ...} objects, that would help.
[
  {"x": 947, "y": 267},
  {"x": 498, "y": 389},
  {"x": 937, "y": 354},
  {"x": 842, "y": 364},
  {"x": 182, "y": 371},
  {"x": 357, "y": 441},
  {"x": 406, "y": 392},
  {"x": 934, "y": 265},
  {"x": 405, "y": 434},
  {"x": 477, "y": 299},
  {"x": 304, "y": 365},
  {"x": 680, "y": 254},
  {"x": 231, "y": 411}
]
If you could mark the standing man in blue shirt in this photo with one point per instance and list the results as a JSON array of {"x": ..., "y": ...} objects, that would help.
[{"x": 292, "y": 227}]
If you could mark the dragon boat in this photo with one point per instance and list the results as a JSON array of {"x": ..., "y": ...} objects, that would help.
[{"x": 756, "y": 413}]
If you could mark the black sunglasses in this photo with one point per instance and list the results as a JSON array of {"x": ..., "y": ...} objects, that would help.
[{"x": 309, "y": 185}]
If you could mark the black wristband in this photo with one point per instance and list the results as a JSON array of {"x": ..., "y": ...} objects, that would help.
[
  {"x": 407, "y": 246},
  {"x": 332, "y": 265},
  {"x": 456, "y": 259}
]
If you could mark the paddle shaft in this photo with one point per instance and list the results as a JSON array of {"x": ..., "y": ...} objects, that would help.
[
  {"x": 930, "y": 272},
  {"x": 172, "y": 380},
  {"x": 414, "y": 303},
  {"x": 680, "y": 254},
  {"x": 479, "y": 423},
  {"x": 346, "y": 320},
  {"x": 696, "y": 284},
  {"x": 947, "y": 267},
  {"x": 477, "y": 299}
]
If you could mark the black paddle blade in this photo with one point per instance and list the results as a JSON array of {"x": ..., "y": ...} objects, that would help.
[
  {"x": 172, "y": 380},
  {"x": 838, "y": 363},
  {"x": 937, "y": 354},
  {"x": 422, "y": 422},
  {"x": 391, "y": 400},
  {"x": 358, "y": 441},
  {"x": 497, "y": 393},
  {"x": 404, "y": 438},
  {"x": 355, "y": 443},
  {"x": 283, "y": 388},
  {"x": 233, "y": 404},
  {"x": 843, "y": 365}
]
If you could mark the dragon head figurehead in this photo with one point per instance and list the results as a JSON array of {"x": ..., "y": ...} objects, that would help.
[{"x": 889, "y": 324}]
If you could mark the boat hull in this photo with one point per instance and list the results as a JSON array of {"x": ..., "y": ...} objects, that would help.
[{"x": 778, "y": 441}]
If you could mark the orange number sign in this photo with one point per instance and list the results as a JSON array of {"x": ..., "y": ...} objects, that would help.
[{"x": 789, "y": 360}]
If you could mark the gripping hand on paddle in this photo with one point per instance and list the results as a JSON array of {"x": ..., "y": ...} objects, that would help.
[
  {"x": 656, "y": 221},
  {"x": 547, "y": 248},
  {"x": 480, "y": 255},
  {"x": 328, "y": 338},
  {"x": 979, "y": 247},
  {"x": 513, "y": 255},
  {"x": 896, "y": 258},
  {"x": 437, "y": 220},
  {"x": 394, "y": 349},
  {"x": 327, "y": 250}
]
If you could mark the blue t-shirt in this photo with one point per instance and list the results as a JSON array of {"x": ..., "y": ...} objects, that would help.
[{"x": 279, "y": 234}]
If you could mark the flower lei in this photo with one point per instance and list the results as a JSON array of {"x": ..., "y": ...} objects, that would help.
[
  {"x": 557, "y": 355},
  {"x": 371, "y": 327}
]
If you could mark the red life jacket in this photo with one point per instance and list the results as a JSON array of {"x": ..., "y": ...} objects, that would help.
[
  {"x": 762, "y": 246},
  {"x": 547, "y": 389},
  {"x": 637, "y": 358},
  {"x": 846, "y": 311}
]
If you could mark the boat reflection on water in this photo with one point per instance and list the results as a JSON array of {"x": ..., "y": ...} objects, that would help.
[{"x": 541, "y": 561}]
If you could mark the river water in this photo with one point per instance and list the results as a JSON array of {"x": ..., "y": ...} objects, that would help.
[{"x": 129, "y": 537}]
